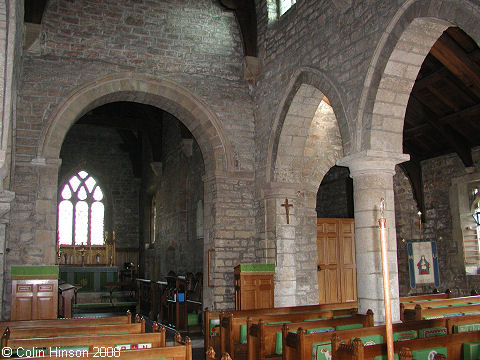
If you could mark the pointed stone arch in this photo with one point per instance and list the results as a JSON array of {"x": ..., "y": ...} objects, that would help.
[
  {"x": 308, "y": 136},
  {"x": 396, "y": 62}
]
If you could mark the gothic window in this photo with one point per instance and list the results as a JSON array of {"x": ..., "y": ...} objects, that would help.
[
  {"x": 284, "y": 5},
  {"x": 277, "y": 8},
  {"x": 81, "y": 211}
]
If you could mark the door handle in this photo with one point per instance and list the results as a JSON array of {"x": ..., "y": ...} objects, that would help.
[{"x": 319, "y": 268}]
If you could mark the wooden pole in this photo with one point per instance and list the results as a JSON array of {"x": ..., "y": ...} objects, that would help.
[{"x": 386, "y": 282}]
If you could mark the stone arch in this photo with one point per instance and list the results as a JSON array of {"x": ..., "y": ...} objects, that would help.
[
  {"x": 316, "y": 80},
  {"x": 307, "y": 139},
  {"x": 395, "y": 65},
  {"x": 162, "y": 93}
]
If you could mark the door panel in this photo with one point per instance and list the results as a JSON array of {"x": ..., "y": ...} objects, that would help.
[{"x": 336, "y": 260}]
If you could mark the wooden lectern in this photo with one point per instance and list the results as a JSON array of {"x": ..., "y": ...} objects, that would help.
[
  {"x": 254, "y": 286},
  {"x": 34, "y": 292}
]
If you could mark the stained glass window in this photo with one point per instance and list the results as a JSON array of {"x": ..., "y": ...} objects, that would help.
[{"x": 81, "y": 212}]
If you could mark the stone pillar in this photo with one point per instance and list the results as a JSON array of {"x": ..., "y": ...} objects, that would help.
[
  {"x": 6, "y": 198},
  {"x": 284, "y": 241},
  {"x": 372, "y": 173}
]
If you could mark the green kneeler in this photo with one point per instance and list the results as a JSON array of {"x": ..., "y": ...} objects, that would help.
[
  {"x": 465, "y": 327},
  {"x": 433, "y": 331},
  {"x": 348, "y": 326},
  {"x": 278, "y": 343},
  {"x": 427, "y": 354},
  {"x": 321, "y": 350},
  {"x": 243, "y": 334},
  {"x": 471, "y": 350}
]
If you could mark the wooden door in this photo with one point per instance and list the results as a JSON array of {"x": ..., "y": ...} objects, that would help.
[{"x": 336, "y": 270}]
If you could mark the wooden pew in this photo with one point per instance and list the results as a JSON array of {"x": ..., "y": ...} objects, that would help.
[
  {"x": 440, "y": 302},
  {"x": 426, "y": 297},
  {"x": 452, "y": 344},
  {"x": 23, "y": 333},
  {"x": 181, "y": 350},
  {"x": 85, "y": 343},
  {"x": 420, "y": 312},
  {"x": 299, "y": 345},
  {"x": 211, "y": 322},
  {"x": 231, "y": 325},
  {"x": 264, "y": 338}
]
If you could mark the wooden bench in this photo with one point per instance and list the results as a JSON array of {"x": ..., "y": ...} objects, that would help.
[
  {"x": 466, "y": 300},
  {"x": 302, "y": 345},
  {"x": 180, "y": 350},
  {"x": 233, "y": 328},
  {"x": 211, "y": 319},
  {"x": 450, "y": 345},
  {"x": 86, "y": 343},
  {"x": 426, "y": 297},
  {"x": 118, "y": 319},
  {"x": 265, "y": 340},
  {"x": 420, "y": 312},
  {"x": 23, "y": 333}
]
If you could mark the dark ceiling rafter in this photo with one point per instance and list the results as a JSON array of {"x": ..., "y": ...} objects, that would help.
[
  {"x": 444, "y": 106},
  {"x": 247, "y": 20}
]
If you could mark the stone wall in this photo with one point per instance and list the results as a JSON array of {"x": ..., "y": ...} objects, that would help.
[
  {"x": 99, "y": 151},
  {"x": 178, "y": 187},
  {"x": 438, "y": 175},
  {"x": 194, "y": 45}
]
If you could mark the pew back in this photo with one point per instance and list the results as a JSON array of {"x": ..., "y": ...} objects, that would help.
[
  {"x": 91, "y": 342},
  {"x": 420, "y": 312},
  {"x": 211, "y": 322},
  {"x": 22, "y": 333},
  {"x": 426, "y": 297},
  {"x": 265, "y": 339},
  {"x": 451, "y": 344}
]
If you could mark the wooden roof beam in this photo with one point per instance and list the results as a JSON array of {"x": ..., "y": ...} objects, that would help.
[
  {"x": 455, "y": 59},
  {"x": 458, "y": 143}
]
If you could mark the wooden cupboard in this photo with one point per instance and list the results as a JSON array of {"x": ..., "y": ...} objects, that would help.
[
  {"x": 254, "y": 286},
  {"x": 34, "y": 292}
]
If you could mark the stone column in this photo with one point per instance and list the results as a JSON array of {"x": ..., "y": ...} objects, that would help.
[
  {"x": 372, "y": 173},
  {"x": 6, "y": 198},
  {"x": 284, "y": 241}
]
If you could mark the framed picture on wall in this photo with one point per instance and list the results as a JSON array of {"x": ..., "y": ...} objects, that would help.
[{"x": 422, "y": 262}]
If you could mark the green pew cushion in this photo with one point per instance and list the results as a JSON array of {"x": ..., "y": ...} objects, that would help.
[
  {"x": 341, "y": 316},
  {"x": 471, "y": 350},
  {"x": 474, "y": 302},
  {"x": 315, "y": 319},
  {"x": 437, "y": 306},
  {"x": 452, "y": 315},
  {"x": 471, "y": 313},
  {"x": 370, "y": 339},
  {"x": 428, "y": 354},
  {"x": 458, "y": 304},
  {"x": 430, "y": 317},
  {"x": 322, "y": 350},
  {"x": 278, "y": 322},
  {"x": 465, "y": 327},
  {"x": 214, "y": 326},
  {"x": 192, "y": 319},
  {"x": 348, "y": 326},
  {"x": 433, "y": 331},
  {"x": 278, "y": 343},
  {"x": 320, "y": 330},
  {"x": 405, "y": 335},
  {"x": 243, "y": 334}
]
